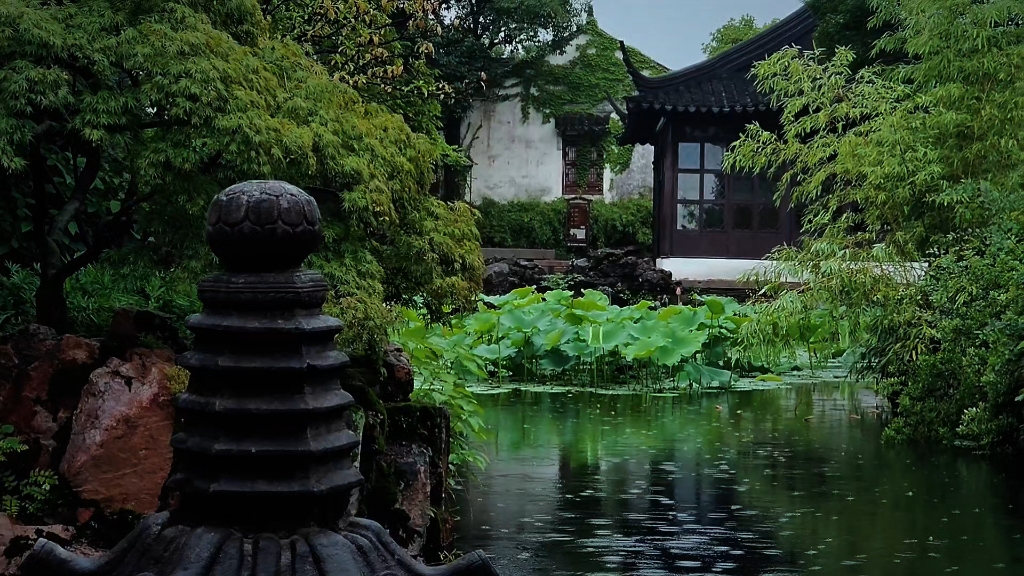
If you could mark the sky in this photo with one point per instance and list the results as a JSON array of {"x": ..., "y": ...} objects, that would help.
[{"x": 672, "y": 31}]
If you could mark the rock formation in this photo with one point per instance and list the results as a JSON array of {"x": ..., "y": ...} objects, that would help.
[
  {"x": 505, "y": 275},
  {"x": 119, "y": 453},
  {"x": 626, "y": 276},
  {"x": 41, "y": 380}
]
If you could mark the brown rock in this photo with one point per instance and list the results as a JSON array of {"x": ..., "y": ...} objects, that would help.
[
  {"x": 57, "y": 533},
  {"x": 47, "y": 374},
  {"x": 16, "y": 541},
  {"x": 411, "y": 468},
  {"x": 397, "y": 385},
  {"x": 75, "y": 351},
  {"x": 31, "y": 343},
  {"x": 119, "y": 454},
  {"x": 6, "y": 531},
  {"x": 83, "y": 515},
  {"x": 8, "y": 364},
  {"x": 406, "y": 477}
]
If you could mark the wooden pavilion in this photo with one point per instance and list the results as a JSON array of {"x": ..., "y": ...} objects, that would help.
[{"x": 690, "y": 116}]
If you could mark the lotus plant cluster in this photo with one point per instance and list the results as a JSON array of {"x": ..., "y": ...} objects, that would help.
[{"x": 581, "y": 341}]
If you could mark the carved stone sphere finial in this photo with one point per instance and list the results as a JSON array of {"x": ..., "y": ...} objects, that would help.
[{"x": 263, "y": 226}]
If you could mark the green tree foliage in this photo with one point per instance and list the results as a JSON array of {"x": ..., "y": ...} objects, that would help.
[
  {"x": 487, "y": 46},
  {"x": 120, "y": 121},
  {"x": 850, "y": 24},
  {"x": 733, "y": 32},
  {"x": 595, "y": 73},
  {"x": 381, "y": 48},
  {"x": 914, "y": 162}
]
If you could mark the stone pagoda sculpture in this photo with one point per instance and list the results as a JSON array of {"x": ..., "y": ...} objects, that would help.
[{"x": 263, "y": 475}]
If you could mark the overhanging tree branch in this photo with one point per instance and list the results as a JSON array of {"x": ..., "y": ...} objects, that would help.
[
  {"x": 83, "y": 183},
  {"x": 110, "y": 231}
]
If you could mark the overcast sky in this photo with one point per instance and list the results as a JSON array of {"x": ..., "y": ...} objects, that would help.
[{"x": 672, "y": 31}]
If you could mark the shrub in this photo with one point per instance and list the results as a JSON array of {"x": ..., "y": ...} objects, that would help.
[
  {"x": 127, "y": 279},
  {"x": 622, "y": 223},
  {"x": 539, "y": 224},
  {"x": 531, "y": 224},
  {"x": 17, "y": 303},
  {"x": 23, "y": 495},
  {"x": 953, "y": 362}
]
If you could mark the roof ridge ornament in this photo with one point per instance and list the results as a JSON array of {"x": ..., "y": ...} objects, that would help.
[{"x": 631, "y": 68}]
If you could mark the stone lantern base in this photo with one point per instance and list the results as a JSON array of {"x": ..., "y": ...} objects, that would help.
[{"x": 160, "y": 547}]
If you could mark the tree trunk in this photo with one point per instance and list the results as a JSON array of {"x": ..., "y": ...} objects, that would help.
[{"x": 52, "y": 304}]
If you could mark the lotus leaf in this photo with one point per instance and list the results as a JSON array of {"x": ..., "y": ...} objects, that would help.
[{"x": 555, "y": 337}]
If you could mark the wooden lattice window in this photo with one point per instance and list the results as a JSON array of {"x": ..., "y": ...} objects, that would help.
[
  {"x": 571, "y": 166},
  {"x": 710, "y": 200}
]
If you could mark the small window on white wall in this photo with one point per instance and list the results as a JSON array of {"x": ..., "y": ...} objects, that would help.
[{"x": 572, "y": 183}]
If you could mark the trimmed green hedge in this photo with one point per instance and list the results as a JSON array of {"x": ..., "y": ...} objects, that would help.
[{"x": 541, "y": 225}]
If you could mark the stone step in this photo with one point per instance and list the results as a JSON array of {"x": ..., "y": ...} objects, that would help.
[{"x": 519, "y": 253}]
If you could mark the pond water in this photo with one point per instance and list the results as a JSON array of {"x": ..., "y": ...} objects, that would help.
[{"x": 768, "y": 482}]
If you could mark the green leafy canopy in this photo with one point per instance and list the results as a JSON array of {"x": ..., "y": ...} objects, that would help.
[
  {"x": 896, "y": 164},
  {"x": 582, "y": 79},
  {"x": 733, "y": 32},
  {"x": 123, "y": 119}
]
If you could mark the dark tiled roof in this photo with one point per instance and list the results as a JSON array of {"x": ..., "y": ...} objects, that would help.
[
  {"x": 731, "y": 91},
  {"x": 722, "y": 83}
]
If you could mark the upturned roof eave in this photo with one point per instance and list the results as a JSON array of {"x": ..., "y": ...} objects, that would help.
[{"x": 744, "y": 54}]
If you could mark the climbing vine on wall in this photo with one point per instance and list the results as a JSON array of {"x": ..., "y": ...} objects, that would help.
[
  {"x": 584, "y": 83},
  {"x": 616, "y": 157},
  {"x": 585, "y": 158},
  {"x": 609, "y": 153}
]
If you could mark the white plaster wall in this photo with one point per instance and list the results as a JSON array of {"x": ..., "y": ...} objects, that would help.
[
  {"x": 518, "y": 159},
  {"x": 710, "y": 268},
  {"x": 735, "y": 268},
  {"x": 637, "y": 180},
  {"x": 514, "y": 158}
]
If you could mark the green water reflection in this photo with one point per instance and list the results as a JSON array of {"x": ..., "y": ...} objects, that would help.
[{"x": 786, "y": 481}]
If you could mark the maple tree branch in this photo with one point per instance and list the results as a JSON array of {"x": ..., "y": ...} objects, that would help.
[{"x": 83, "y": 183}]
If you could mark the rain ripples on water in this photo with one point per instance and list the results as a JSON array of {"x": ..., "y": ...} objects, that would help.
[{"x": 755, "y": 483}]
